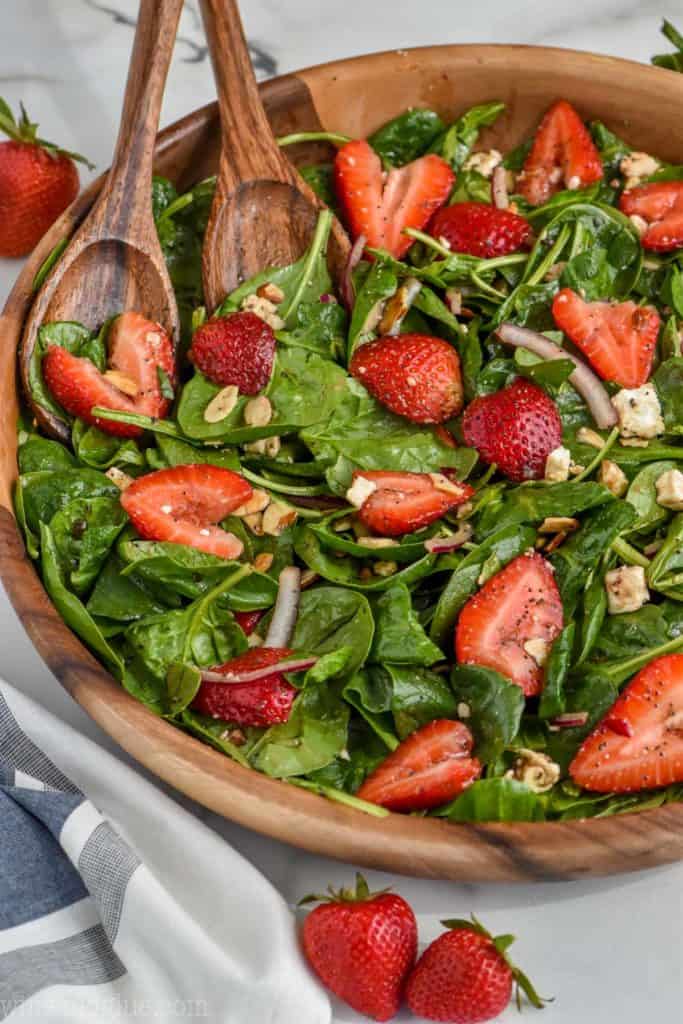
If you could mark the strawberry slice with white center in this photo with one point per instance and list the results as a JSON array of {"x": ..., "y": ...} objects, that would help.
[
  {"x": 138, "y": 349},
  {"x": 562, "y": 155},
  {"x": 184, "y": 504},
  {"x": 432, "y": 766},
  {"x": 660, "y": 205},
  {"x": 381, "y": 207},
  {"x": 510, "y": 624},
  {"x": 403, "y": 502},
  {"x": 639, "y": 743},
  {"x": 617, "y": 338}
]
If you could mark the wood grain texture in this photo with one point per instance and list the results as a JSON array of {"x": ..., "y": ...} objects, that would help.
[
  {"x": 114, "y": 261},
  {"x": 356, "y": 96},
  {"x": 263, "y": 213}
]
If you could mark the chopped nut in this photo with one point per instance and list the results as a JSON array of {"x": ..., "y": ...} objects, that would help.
[
  {"x": 398, "y": 305},
  {"x": 272, "y": 446},
  {"x": 258, "y": 412},
  {"x": 385, "y": 568},
  {"x": 343, "y": 524},
  {"x": 308, "y": 578},
  {"x": 360, "y": 490},
  {"x": 263, "y": 561},
  {"x": 463, "y": 710},
  {"x": 485, "y": 161},
  {"x": 257, "y": 503},
  {"x": 122, "y": 382},
  {"x": 535, "y": 769},
  {"x": 558, "y": 524},
  {"x": 256, "y": 447},
  {"x": 377, "y": 542},
  {"x": 587, "y": 436},
  {"x": 633, "y": 442},
  {"x": 464, "y": 510},
  {"x": 263, "y": 308},
  {"x": 557, "y": 465},
  {"x": 626, "y": 589},
  {"x": 365, "y": 573},
  {"x": 234, "y": 736},
  {"x": 442, "y": 483},
  {"x": 538, "y": 649},
  {"x": 222, "y": 404},
  {"x": 669, "y": 488},
  {"x": 277, "y": 517},
  {"x": 636, "y": 166},
  {"x": 255, "y": 523},
  {"x": 555, "y": 542},
  {"x": 454, "y": 301},
  {"x": 118, "y": 477},
  {"x": 271, "y": 292},
  {"x": 613, "y": 478},
  {"x": 576, "y": 469}
]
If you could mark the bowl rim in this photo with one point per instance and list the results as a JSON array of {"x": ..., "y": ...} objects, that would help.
[{"x": 417, "y": 846}]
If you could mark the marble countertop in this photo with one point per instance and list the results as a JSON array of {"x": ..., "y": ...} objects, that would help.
[{"x": 608, "y": 950}]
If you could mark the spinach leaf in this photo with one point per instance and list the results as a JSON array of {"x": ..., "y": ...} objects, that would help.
[
  {"x": 577, "y": 561},
  {"x": 215, "y": 732},
  {"x": 409, "y": 548},
  {"x": 345, "y": 571},
  {"x": 369, "y": 692},
  {"x": 504, "y": 545},
  {"x": 668, "y": 380},
  {"x": 556, "y": 672},
  {"x": 497, "y": 799},
  {"x": 318, "y": 327},
  {"x": 642, "y": 495},
  {"x": 45, "y": 492},
  {"x": 75, "y": 339},
  {"x": 672, "y": 61},
  {"x": 399, "y": 637},
  {"x": 593, "y": 693},
  {"x": 380, "y": 284},
  {"x": 178, "y": 453},
  {"x": 612, "y": 149},
  {"x": 418, "y": 697},
  {"x": 100, "y": 451},
  {"x": 121, "y": 598},
  {"x": 407, "y": 136},
  {"x": 183, "y": 682},
  {"x": 593, "y": 613},
  {"x": 84, "y": 532},
  {"x": 38, "y": 454},
  {"x": 495, "y": 707},
  {"x": 331, "y": 618},
  {"x": 320, "y": 177},
  {"x": 457, "y": 142},
  {"x": 532, "y": 503}
]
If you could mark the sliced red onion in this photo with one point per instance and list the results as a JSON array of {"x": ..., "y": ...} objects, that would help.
[
  {"x": 327, "y": 297},
  {"x": 440, "y": 545},
  {"x": 346, "y": 284},
  {"x": 499, "y": 188},
  {"x": 569, "y": 720},
  {"x": 234, "y": 678},
  {"x": 587, "y": 383},
  {"x": 286, "y": 608}
]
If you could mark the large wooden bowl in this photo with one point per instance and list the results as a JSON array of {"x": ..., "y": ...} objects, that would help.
[{"x": 356, "y": 96}]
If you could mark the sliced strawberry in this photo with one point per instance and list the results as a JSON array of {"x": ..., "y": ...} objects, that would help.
[
  {"x": 562, "y": 155},
  {"x": 517, "y": 428},
  {"x": 248, "y": 621},
  {"x": 264, "y": 702},
  {"x": 639, "y": 743},
  {"x": 137, "y": 350},
  {"x": 660, "y": 205},
  {"x": 414, "y": 375},
  {"x": 521, "y": 603},
  {"x": 430, "y": 767},
  {"x": 481, "y": 230},
  {"x": 235, "y": 349},
  {"x": 404, "y": 502},
  {"x": 381, "y": 208},
  {"x": 183, "y": 505},
  {"x": 617, "y": 338}
]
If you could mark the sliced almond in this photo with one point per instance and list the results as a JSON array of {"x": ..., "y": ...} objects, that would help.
[
  {"x": 587, "y": 436},
  {"x": 122, "y": 382},
  {"x": 554, "y": 543},
  {"x": 277, "y": 517},
  {"x": 308, "y": 578},
  {"x": 258, "y": 412},
  {"x": 377, "y": 542},
  {"x": 259, "y": 501},
  {"x": 385, "y": 568},
  {"x": 255, "y": 523},
  {"x": 343, "y": 524},
  {"x": 256, "y": 447},
  {"x": 442, "y": 483},
  {"x": 398, "y": 306},
  {"x": 222, "y": 404},
  {"x": 558, "y": 524},
  {"x": 263, "y": 561},
  {"x": 271, "y": 292},
  {"x": 118, "y": 477}
]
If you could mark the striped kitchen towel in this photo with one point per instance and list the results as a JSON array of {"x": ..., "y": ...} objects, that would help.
[{"x": 153, "y": 917}]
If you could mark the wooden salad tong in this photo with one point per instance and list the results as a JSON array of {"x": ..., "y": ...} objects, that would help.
[
  {"x": 263, "y": 212},
  {"x": 114, "y": 261}
]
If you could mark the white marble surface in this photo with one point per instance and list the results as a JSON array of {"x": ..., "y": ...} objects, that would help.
[{"x": 607, "y": 950}]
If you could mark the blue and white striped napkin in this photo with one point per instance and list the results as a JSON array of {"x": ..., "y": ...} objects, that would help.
[{"x": 151, "y": 918}]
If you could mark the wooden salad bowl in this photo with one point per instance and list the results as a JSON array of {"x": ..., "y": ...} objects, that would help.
[{"x": 356, "y": 96}]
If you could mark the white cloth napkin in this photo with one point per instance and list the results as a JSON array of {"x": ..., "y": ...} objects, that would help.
[{"x": 134, "y": 910}]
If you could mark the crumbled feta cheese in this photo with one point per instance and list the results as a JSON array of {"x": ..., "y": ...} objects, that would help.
[
  {"x": 538, "y": 649},
  {"x": 613, "y": 478},
  {"x": 636, "y": 166},
  {"x": 670, "y": 490},
  {"x": 277, "y": 517},
  {"x": 535, "y": 769},
  {"x": 263, "y": 308},
  {"x": 557, "y": 465},
  {"x": 626, "y": 589},
  {"x": 360, "y": 490},
  {"x": 485, "y": 162},
  {"x": 118, "y": 477},
  {"x": 463, "y": 710},
  {"x": 639, "y": 412}
]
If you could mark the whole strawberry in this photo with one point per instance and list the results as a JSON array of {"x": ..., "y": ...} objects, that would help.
[
  {"x": 517, "y": 428},
  {"x": 236, "y": 349},
  {"x": 481, "y": 230},
  {"x": 465, "y": 976},
  {"x": 37, "y": 182},
  {"x": 362, "y": 946},
  {"x": 414, "y": 375}
]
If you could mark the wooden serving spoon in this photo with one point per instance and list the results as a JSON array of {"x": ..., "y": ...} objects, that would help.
[
  {"x": 114, "y": 261},
  {"x": 263, "y": 213}
]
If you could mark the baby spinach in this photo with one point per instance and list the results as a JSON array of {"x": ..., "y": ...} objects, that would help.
[
  {"x": 345, "y": 571},
  {"x": 407, "y": 136},
  {"x": 399, "y": 637},
  {"x": 497, "y": 799},
  {"x": 45, "y": 492},
  {"x": 552, "y": 697},
  {"x": 457, "y": 142},
  {"x": 668, "y": 380},
  {"x": 100, "y": 451},
  {"x": 406, "y": 549},
  {"x": 84, "y": 532},
  {"x": 532, "y": 503},
  {"x": 216, "y": 733},
  {"x": 418, "y": 696},
  {"x": 39, "y": 454},
  {"x": 122, "y": 598},
  {"x": 331, "y": 618},
  {"x": 494, "y": 708}
]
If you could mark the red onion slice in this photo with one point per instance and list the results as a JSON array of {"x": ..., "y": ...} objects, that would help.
[
  {"x": 499, "y": 188},
  {"x": 346, "y": 283},
  {"x": 441, "y": 545},
  {"x": 587, "y": 383},
  {"x": 570, "y": 720},
  {"x": 234, "y": 678},
  {"x": 286, "y": 608}
]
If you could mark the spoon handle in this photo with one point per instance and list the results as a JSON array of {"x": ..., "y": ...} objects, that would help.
[
  {"x": 124, "y": 209},
  {"x": 251, "y": 151}
]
